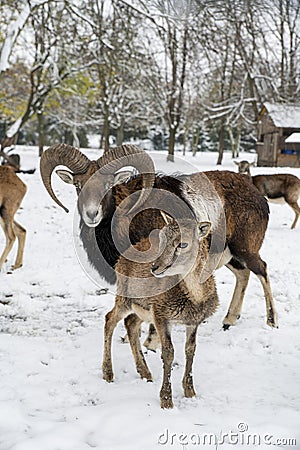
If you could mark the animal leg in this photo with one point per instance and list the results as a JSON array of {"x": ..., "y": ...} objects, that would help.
[
  {"x": 118, "y": 312},
  {"x": 235, "y": 307},
  {"x": 272, "y": 319},
  {"x": 133, "y": 323},
  {"x": 20, "y": 232},
  {"x": 259, "y": 267},
  {"x": 295, "y": 207},
  {"x": 167, "y": 355},
  {"x": 152, "y": 341},
  {"x": 10, "y": 239},
  {"x": 190, "y": 347}
]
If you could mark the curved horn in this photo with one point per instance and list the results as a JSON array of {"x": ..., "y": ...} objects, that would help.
[
  {"x": 61, "y": 154},
  {"x": 130, "y": 155}
]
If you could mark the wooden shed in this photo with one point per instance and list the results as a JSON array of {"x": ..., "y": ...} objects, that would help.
[{"x": 278, "y": 142}]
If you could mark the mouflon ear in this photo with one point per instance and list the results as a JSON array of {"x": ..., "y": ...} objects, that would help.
[
  {"x": 204, "y": 229},
  {"x": 66, "y": 176},
  {"x": 168, "y": 219},
  {"x": 122, "y": 177}
]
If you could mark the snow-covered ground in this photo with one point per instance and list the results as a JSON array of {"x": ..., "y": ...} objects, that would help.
[{"x": 52, "y": 396}]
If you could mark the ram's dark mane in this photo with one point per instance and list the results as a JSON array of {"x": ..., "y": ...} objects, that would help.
[{"x": 98, "y": 243}]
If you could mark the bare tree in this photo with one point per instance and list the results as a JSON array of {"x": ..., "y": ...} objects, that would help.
[
  {"x": 283, "y": 27},
  {"x": 50, "y": 64}
]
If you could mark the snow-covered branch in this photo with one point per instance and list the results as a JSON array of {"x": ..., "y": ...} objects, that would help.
[{"x": 13, "y": 31}]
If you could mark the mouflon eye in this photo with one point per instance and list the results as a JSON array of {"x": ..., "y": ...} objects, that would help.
[{"x": 183, "y": 245}]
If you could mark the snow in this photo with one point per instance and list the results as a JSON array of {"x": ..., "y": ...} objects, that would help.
[
  {"x": 284, "y": 115},
  {"x": 293, "y": 138},
  {"x": 93, "y": 140},
  {"x": 52, "y": 396},
  {"x": 14, "y": 128}
]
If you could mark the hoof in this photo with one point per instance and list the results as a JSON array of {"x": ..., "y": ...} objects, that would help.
[
  {"x": 272, "y": 324},
  {"x": 230, "y": 320},
  {"x": 189, "y": 392},
  {"x": 16, "y": 266},
  {"x": 147, "y": 377},
  {"x": 166, "y": 403},
  {"x": 107, "y": 375},
  {"x": 272, "y": 320},
  {"x": 108, "y": 378}
]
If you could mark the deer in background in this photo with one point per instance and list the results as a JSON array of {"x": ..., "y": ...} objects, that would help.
[
  {"x": 14, "y": 161},
  {"x": 12, "y": 191},
  {"x": 278, "y": 188}
]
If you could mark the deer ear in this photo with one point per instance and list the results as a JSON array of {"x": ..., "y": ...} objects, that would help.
[
  {"x": 168, "y": 219},
  {"x": 252, "y": 164},
  {"x": 66, "y": 176},
  {"x": 236, "y": 162},
  {"x": 204, "y": 229}
]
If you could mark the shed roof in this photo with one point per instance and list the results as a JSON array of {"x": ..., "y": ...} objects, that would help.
[
  {"x": 293, "y": 138},
  {"x": 284, "y": 115}
]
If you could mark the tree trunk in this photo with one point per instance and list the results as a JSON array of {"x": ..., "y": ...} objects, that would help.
[
  {"x": 184, "y": 141},
  {"x": 35, "y": 103},
  {"x": 196, "y": 137},
  {"x": 41, "y": 134},
  {"x": 172, "y": 133},
  {"x": 120, "y": 133},
  {"x": 238, "y": 142},
  {"x": 105, "y": 133},
  {"x": 221, "y": 144}
]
